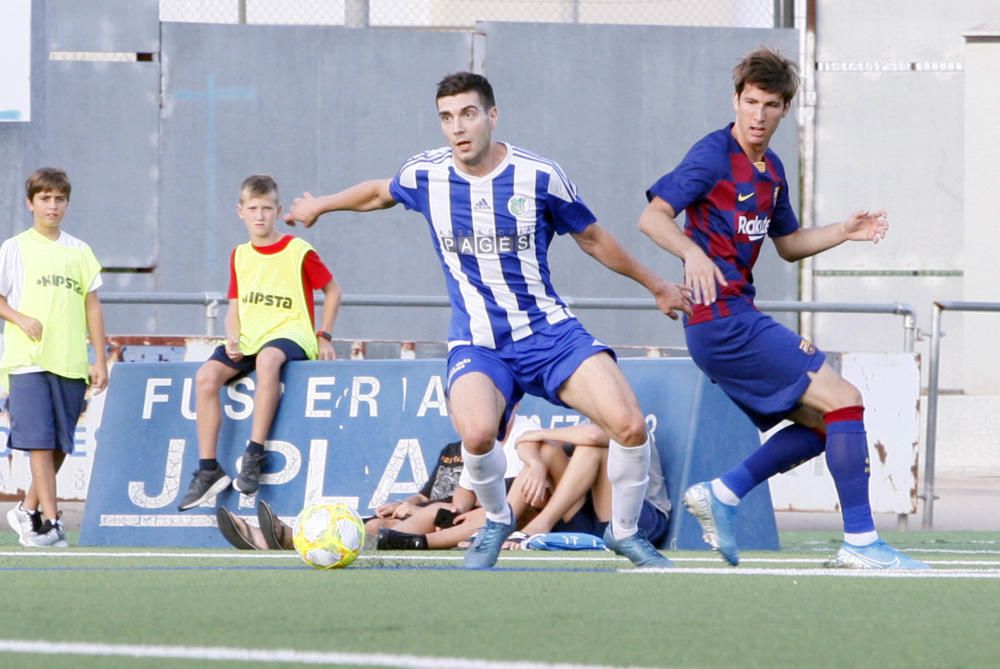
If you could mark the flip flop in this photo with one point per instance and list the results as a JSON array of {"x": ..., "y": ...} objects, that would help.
[
  {"x": 516, "y": 541},
  {"x": 277, "y": 535},
  {"x": 234, "y": 530}
]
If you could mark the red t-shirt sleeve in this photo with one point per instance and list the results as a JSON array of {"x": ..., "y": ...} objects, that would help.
[
  {"x": 315, "y": 274},
  {"x": 234, "y": 289}
]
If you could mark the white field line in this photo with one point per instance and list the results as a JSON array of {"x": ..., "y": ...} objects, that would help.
[
  {"x": 953, "y": 552},
  {"x": 840, "y": 573},
  {"x": 918, "y": 549},
  {"x": 234, "y": 555},
  {"x": 505, "y": 558},
  {"x": 277, "y": 655}
]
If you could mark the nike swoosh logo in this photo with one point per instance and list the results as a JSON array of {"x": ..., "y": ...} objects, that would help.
[
  {"x": 885, "y": 564},
  {"x": 743, "y": 198}
]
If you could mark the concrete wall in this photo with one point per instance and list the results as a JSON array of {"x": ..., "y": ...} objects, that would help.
[
  {"x": 891, "y": 78},
  {"x": 982, "y": 183},
  {"x": 157, "y": 146}
]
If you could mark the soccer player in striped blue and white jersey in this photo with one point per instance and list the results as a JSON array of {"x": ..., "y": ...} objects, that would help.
[
  {"x": 493, "y": 209},
  {"x": 734, "y": 192}
]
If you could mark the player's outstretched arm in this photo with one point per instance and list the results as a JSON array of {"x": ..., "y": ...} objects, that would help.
[
  {"x": 701, "y": 275},
  {"x": 861, "y": 226},
  {"x": 607, "y": 250},
  {"x": 365, "y": 196}
]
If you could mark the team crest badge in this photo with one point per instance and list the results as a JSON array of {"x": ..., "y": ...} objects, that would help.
[
  {"x": 807, "y": 347},
  {"x": 518, "y": 206}
]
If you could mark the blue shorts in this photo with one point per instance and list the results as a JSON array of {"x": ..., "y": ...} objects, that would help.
[
  {"x": 248, "y": 363},
  {"x": 44, "y": 408},
  {"x": 653, "y": 523},
  {"x": 537, "y": 365},
  {"x": 760, "y": 364}
]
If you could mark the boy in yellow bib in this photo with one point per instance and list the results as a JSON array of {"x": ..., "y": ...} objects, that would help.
[
  {"x": 48, "y": 296},
  {"x": 269, "y": 322}
]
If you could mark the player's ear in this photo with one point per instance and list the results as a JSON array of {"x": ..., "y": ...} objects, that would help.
[
  {"x": 493, "y": 113},
  {"x": 736, "y": 101}
]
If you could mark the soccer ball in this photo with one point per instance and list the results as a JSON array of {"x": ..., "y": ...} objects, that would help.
[{"x": 328, "y": 536}]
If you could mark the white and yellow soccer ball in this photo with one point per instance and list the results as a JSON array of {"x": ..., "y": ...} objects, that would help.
[{"x": 328, "y": 536}]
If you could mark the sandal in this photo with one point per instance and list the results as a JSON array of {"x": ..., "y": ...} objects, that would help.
[
  {"x": 516, "y": 541},
  {"x": 277, "y": 535},
  {"x": 234, "y": 529}
]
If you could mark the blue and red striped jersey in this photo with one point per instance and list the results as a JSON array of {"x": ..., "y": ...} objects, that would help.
[{"x": 731, "y": 204}]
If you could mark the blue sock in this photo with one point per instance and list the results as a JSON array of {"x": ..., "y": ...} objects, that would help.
[
  {"x": 206, "y": 464},
  {"x": 847, "y": 459},
  {"x": 785, "y": 450},
  {"x": 255, "y": 448}
]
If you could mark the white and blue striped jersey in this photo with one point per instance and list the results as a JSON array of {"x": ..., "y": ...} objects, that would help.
[{"x": 492, "y": 235}]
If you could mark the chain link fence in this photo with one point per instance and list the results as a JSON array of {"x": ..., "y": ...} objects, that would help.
[{"x": 463, "y": 14}]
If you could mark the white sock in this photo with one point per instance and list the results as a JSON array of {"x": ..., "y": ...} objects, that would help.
[
  {"x": 723, "y": 493},
  {"x": 861, "y": 538},
  {"x": 486, "y": 477},
  {"x": 628, "y": 470}
]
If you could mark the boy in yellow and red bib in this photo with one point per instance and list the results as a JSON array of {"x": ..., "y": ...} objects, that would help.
[{"x": 269, "y": 322}]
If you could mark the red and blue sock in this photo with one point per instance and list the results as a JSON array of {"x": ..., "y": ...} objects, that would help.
[{"x": 847, "y": 459}]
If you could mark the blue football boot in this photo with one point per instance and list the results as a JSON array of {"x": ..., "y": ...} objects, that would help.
[
  {"x": 485, "y": 549},
  {"x": 876, "y": 555},
  {"x": 637, "y": 549},
  {"x": 715, "y": 518}
]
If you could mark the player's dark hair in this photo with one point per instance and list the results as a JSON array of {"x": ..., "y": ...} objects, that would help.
[
  {"x": 258, "y": 185},
  {"x": 463, "y": 82},
  {"x": 47, "y": 179},
  {"x": 769, "y": 71}
]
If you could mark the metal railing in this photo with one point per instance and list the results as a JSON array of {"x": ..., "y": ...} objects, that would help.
[
  {"x": 933, "y": 375},
  {"x": 211, "y": 302}
]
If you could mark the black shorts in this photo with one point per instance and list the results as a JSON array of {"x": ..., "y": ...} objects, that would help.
[{"x": 248, "y": 363}]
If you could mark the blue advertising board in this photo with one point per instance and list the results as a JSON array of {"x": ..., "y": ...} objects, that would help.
[{"x": 365, "y": 432}]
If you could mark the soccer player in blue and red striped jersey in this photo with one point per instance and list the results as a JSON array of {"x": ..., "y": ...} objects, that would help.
[
  {"x": 492, "y": 210},
  {"x": 735, "y": 193}
]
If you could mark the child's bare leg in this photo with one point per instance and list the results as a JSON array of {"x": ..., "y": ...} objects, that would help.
[
  {"x": 451, "y": 536},
  {"x": 601, "y": 492},
  {"x": 209, "y": 379},
  {"x": 269, "y": 362},
  {"x": 43, "y": 481},
  {"x": 30, "y": 502},
  {"x": 583, "y": 470}
]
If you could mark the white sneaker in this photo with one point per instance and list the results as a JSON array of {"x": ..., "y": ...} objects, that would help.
[
  {"x": 49, "y": 535},
  {"x": 23, "y": 522}
]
